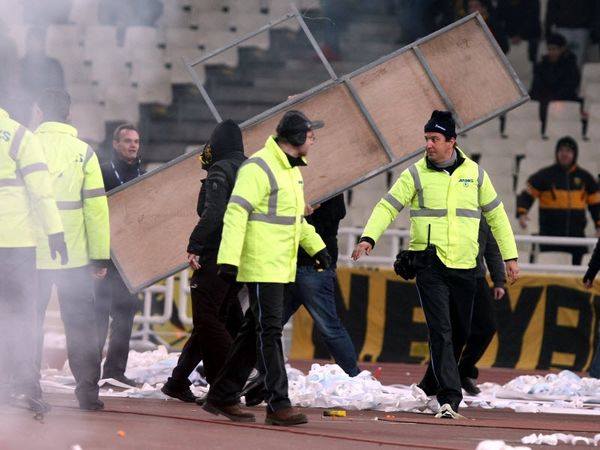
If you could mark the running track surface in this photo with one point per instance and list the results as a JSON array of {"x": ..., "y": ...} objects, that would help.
[{"x": 128, "y": 423}]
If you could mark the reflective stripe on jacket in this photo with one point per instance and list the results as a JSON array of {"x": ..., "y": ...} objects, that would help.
[
  {"x": 452, "y": 205},
  {"x": 26, "y": 198},
  {"x": 80, "y": 196},
  {"x": 264, "y": 221}
]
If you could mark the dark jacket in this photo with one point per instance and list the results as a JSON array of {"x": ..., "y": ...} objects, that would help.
[
  {"x": 563, "y": 195},
  {"x": 227, "y": 155},
  {"x": 489, "y": 257},
  {"x": 326, "y": 220},
  {"x": 556, "y": 80},
  {"x": 521, "y": 17},
  {"x": 117, "y": 172},
  {"x": 570, "y": 14}
]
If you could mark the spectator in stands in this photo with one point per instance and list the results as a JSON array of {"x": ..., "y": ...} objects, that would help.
[
  {"x": 80, "y": 197},
  {"x": 556, "y": 77},
  {"x": 44, "y": 12},
  {"x": 522, "y": 20},
  {"x": 337, "y": 13},
  {"x": 564, "y": 190},
  {"x": 573, "y": 19},
  {"x": 215, "y": 303},
  {"x": 112, "y": 296},
  {"x": 493, "y": 20},
  {"x": 38, "y": 71},
  {"x": 588, "y": 281},
  {"x": 418, "y": 18},
  {"x": 443, "y": 248},
  {"x": 483, "y": 318}
]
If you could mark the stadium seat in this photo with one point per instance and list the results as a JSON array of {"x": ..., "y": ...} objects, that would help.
[
  {"x": 154, "y": 85},
  {"x": 99, "y": 39},
  {"x": 589, "y": 74},
  {"x": 174, "y": 15},
  {"x": 84, "y": 12},
  {"x": 121, "y": 103},
  {"x": 62, "y": 40},
  {"x": 87, "y": 117}
]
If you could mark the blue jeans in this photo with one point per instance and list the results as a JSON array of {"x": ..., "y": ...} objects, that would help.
[{"x": 315, "y": 290}]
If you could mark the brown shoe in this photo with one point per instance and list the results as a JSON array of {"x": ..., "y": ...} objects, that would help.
[
  {"x": 285, "y": 417},
  {"x": 232, "y": 412}
]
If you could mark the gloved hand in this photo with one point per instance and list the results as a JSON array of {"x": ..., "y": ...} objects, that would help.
[
  {"x": 323, "y": 259},
  {"x": 57, "y": 245},
  {"x": 227, "y": 272}
]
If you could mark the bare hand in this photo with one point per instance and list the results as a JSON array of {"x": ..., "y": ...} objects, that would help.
[
  {"x": 99, "y": 273},
  {"x": 523, "y": 219},
  {"x": 360, "y": 249},
  {"x": 193, "y": 261},
  {"x": 499, "y": 293},
  {"x": 512, "y": 270},
  {"x": 588, "y": 283}
]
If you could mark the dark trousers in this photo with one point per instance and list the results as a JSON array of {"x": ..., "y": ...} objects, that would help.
[
  {"x": 217, "y": 317},
  {"x": 114, "y": 300},
  {"x": 75, "y": 291},
  {"x": 316, "y": 291},
  {"x": 257, "y": 344},
  {"x": 483, "y": 328},
  {"x": 18, "y": 371},
  {"x": 447, "y": 299}
]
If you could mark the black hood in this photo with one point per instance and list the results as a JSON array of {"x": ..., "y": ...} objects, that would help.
[
  {"x": 225, "y": 140},
  {"x": 567, "y": 141}
]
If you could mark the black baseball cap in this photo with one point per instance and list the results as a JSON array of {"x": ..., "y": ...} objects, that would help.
[{"x": 294, "y": 122}]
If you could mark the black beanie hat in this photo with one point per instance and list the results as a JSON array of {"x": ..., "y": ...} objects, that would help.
[
  {"x": 567, "y": 141},
  {"x": 295, "y": 122},
  {"x": 441, "y": 122}
]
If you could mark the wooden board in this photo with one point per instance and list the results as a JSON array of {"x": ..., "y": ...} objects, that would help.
[
  {"x": 374, "y": 120},
  {"x": 151, "y": 221}
]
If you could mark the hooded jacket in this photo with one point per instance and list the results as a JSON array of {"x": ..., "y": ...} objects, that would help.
[
  {"x": 563, "y": 193},
  {"x": 227, "y": 155}
]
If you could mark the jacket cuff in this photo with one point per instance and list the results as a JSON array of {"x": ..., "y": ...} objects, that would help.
[
  {"x": 100, "y": 263},
  {"x": 367, "y": 239}
]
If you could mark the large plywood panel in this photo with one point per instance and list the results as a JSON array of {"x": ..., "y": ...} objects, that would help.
[
  {"x": 400, "y": 98},
  {"x": 345, "y": 149},
  {"x": 470, "y": 71},
  {"x": 151, "y": 220}
]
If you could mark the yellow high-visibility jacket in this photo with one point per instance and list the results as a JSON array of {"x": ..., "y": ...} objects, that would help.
[
  {"x": 26, "y": 199},
  {"x": 79, "y": 190},
  {"x": 452, "y": 205},
  {"x": 264, "y": 221}
]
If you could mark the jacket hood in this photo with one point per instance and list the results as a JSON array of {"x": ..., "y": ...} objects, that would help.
[
  {"x": 225, "y": 140},
  {"x": 567, "y": 141}
]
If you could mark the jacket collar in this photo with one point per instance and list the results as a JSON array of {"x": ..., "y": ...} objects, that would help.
[
  {"x": 57, "y": 127},
  {"x": 273, "y": 148}
]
